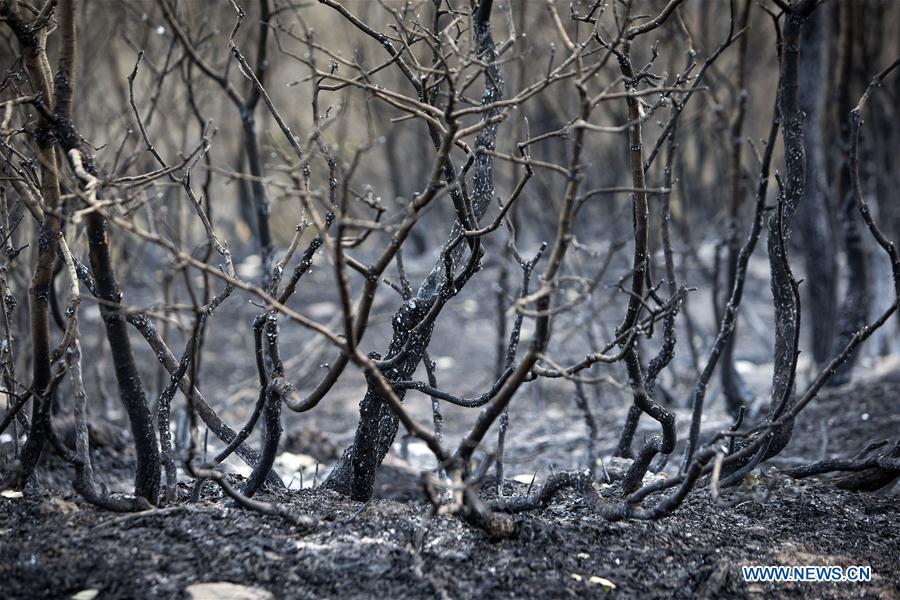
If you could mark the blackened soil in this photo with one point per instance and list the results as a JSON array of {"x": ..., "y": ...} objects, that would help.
[{"x": 54, "y": 545}]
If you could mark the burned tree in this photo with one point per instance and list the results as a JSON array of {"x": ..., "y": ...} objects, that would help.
[
  {"x": 598, "y": 162},
  {"x": 413, "y": 322}
]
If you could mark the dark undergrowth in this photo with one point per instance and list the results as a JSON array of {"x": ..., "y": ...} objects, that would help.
[{"x": 52, "y": 544}]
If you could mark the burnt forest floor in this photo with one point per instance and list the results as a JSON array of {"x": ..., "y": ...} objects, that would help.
[{"x": 53, "y": 544}]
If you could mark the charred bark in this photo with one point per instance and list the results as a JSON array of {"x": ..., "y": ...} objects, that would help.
[
  {"x": 34, "y": 53},
  {"x": 354, "y": 474},
  {"x": 131, "y": 388},
  {"x": 733, "y": 386},
  {"x": 817, "y": 242},
  {"x": 665, "y": 443},
  {"x": 855, "y": 303},
  {"x": 783, "y": 285}
]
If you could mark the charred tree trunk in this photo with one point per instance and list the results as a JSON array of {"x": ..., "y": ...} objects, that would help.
[
  {"x": 50, "y": 230},
  {"x": 813, "y": 223},
  {"x": 733, "y": 386},
  {"x": 245, "y": 200},
  {"x": 787, "y": 308},
  {"x": 664, "y": 443},
  {"x": 251, "y": 148},
  {"x": 260, "y": 225},
  {"x": 59, "y": 127},
  {"x": 354, "y": 474},
  {"x": 855, "y": 303},
  {"x": 131, "y": 388}
]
